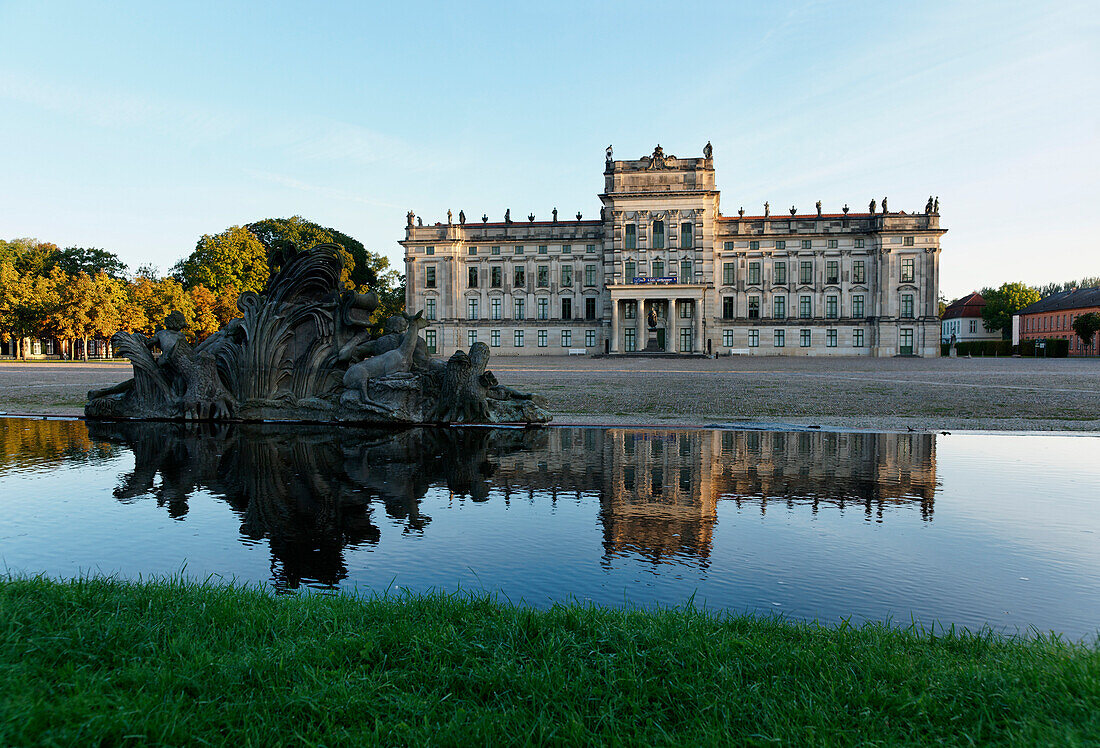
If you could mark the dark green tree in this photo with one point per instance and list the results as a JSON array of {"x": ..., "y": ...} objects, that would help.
[
  {"x": 284, "y": 236},
  {"x": 1001, "y": 303},
  {"x": 1086, "y": 326},
  {"x": 90, "y": 260}
]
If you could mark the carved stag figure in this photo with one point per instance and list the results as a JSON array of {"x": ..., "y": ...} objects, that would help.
[{"x": 397, "y": 361}]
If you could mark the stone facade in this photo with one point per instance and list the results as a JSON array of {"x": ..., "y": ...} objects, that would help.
[{"x": 863, "y": 284}]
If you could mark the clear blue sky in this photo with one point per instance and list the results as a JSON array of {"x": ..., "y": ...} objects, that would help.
[{"x": 137, "y": 127}]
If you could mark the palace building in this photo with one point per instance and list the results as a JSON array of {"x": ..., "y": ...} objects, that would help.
[{"x": 663, "y": 271}]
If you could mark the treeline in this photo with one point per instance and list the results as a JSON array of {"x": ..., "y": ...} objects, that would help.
[
  {"x": 78, "y": 294},
  {"x": 1003, "y": 302}
]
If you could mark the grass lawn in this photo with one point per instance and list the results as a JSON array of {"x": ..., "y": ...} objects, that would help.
[{"x": 106, "y": 662}]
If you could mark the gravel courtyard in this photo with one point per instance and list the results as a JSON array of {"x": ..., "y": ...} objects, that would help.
[{"x": 894, "y": 394}]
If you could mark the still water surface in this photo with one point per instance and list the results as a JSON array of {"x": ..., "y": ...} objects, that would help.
[{"x": 972, "y": 530}]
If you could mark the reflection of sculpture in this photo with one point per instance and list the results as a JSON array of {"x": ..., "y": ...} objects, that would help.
[{"x": 303, "y": 350}]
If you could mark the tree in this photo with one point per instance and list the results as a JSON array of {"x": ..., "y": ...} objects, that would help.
[
  {"x": 233, "y": 257},
  {"x": 29, "y": 255},
  {"x": 26, "y": 301},
  {"x": 158, "y": 299},
  {"x": 206, "y": 319},
  {"x": 1002, "y": 303},
  {"x": 74, "y": 260},
  {"x": 284, "y": 236},
  {"x": 1086, "y": 326}
]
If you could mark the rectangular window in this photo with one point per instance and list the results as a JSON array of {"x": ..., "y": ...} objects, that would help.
[
  {"x": 908, "y": 242},
  {"x": 727, "y": 273},
  {"x": 590, "y": 308},
  {"x": 519, "y": 249},
  {"x": 567, "y": 276},
  {"x": 806, "y": 244},
  {"x": 429, "y": 250},
  {"x": 754, "y": 307},
  {"x": 494, "y": 250},
  {"x": 806, "y": 273},
  {"x": 543, "y": 249},
  {"x": 518, "y": 311},
  {"x": 832, "y": 244},
  {"x": 567, "y": 249},
  {"x": 857, "y": 306},
  {"x": 430, "y": 313},
  {"x": 589, "y": 338},
  {"x": 494, "y": 308},
  {"x": 658, "y": 235},
  {"x": 754, "y": 245},
  {"x": 859, "y": 244},
  {"x": 471, "y": 308},
  {"x": 754, "y": 338},
  {"x": 630, "y": 236},
  {"x": 542, "y": 278},
  {"x": 857, "y": 338},
  {"x": 589, "y": 247},
  {"x": 805, "y": 310},
  {"x": 727, "y": 246},
  {"x": 471, "y": 338},
  {"x": 830, "y": 307},
  {"x": 907, "y": 270},
  {"x": 830, "y": 338},
  {"x": 518, "y": 277},
  {"x": 589, "y": 275},
  {"x": 429, "y": 276},
  {"x": 727, "y": 338},
  {"x": 685, "y": 271},
  {"x": 429, "y": 340},
  {"x": 832, "y": 271},
  {"x": 779, "y": 338},
  {"x": 630, "y": 310},
  {"x": 727, "y": 307},
  {"x": 973, "y": 325},
  {"x": 471, "y": 278},
  {"x": 803, "y": 338},
  {"x": 780, "y": 272},
  {"x": 658, "y": 269},
  {"x": 471, "y": 250},
  {"x": 542, "y": 338},
  {"x": 907, "y": 305},
  {"x": 858, "y": 271},
  {"x": 542, "y": 307},
  {"x": 685, "y": 340},
  {"x": 566, "y": 338},
  {"x": 496, "y": 276},
  {"x": 517, "y": 338},
  {"x": 687, "y": 232},
  {"x": 630, "y": 339},
  {"x": 779, "y": 307},
  {"x": 906, "y": 341},
  {"x": 687, "y": 309},
  {"x": 567, "y": 309},
  {"x": 494, "y": 338},
  {"x": 754, "y": 273},
  {"x": 780, "y": 244},
  {"x": 631, "y": 271}
]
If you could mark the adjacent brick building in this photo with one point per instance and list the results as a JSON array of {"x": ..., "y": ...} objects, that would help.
[{"x": 1052, "y": 318}]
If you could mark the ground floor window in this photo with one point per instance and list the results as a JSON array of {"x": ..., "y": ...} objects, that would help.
[
  {"x": 804, "y": 338},
  {"x": 754, "y": 338},
  {"x": 779, "y": 338},
  {"x": 857, "y": 338},
  {"x": 906, "y": 340},
  {"x": 517, "y": 338},
  {"x": 429, "y": 339},
  {"x": 566, "y": 338},
  {"x": 589, "y": 338},
  {"x": 830, "y": 338},
  {"x": 685, "y": 340},
  {"x": 727, "y": 338},
  {"x": 494, "y": 338},
  {"x": 630, "y": 339},
  {"x": 471, "y": 337},
  {"x": 542, "y": 338}
]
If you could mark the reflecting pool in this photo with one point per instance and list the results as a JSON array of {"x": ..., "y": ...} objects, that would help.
[{"x": 964, "y": 529}]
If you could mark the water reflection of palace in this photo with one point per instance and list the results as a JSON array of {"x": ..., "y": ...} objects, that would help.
[
  {"x": 314, "y": 491},
  {"x": 659, "y": 490}
]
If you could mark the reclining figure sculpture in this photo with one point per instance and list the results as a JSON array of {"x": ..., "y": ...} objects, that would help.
[{"x": 306, "y": 351}]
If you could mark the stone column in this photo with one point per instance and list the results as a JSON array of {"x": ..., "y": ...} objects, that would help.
[
  {"x": 614, "y": 325},
  {"x": 697, "y": 325}
]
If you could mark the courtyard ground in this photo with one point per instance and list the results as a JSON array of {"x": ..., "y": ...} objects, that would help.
[{"x": 893, "y": 394}]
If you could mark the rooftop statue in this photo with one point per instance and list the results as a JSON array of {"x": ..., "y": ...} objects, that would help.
[
  {"x": 305, "y": 350},
  {"x": 707, "y": 150}
]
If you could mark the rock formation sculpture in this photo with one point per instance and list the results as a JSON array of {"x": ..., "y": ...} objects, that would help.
[{"x": 304, "y": 350}]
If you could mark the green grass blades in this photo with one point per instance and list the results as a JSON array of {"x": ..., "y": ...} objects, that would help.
[{"x": 106, "y": 662}]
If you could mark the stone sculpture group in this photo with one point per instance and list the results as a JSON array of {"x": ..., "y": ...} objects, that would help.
[{"x": 306, "y": 351}]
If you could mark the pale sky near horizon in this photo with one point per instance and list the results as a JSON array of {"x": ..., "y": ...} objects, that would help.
[{"x": 138, "y": 127}]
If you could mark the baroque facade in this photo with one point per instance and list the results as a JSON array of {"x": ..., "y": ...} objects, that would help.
[{"x": 662, "y": 269}]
